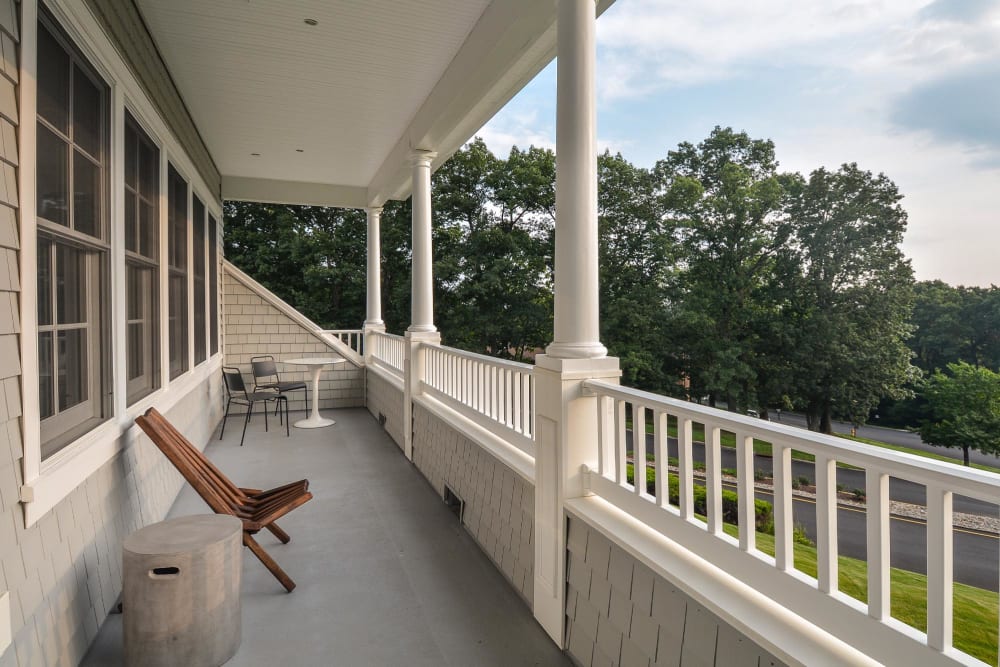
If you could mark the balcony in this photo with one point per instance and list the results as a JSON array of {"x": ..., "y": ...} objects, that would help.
[
  {"x": 385, "y": 574},
  {"x": 652, "y": 574}
]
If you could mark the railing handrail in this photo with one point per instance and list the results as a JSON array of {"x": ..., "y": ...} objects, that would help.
[
  {"x": 971, "y": 482},
  {"x": 343, "y": 331},
  {"x": 384, "y": 334},
  {"x": 485, "y": 358}
]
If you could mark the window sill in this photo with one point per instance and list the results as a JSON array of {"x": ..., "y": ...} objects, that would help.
[{"x": 64, "y": 471}]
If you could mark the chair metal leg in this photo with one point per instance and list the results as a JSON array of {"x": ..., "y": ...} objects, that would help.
[
  {"x": 247, "y": 421},
  {"x": 287, "y": 420},
  {"x": 265, "y": 416},
  {"x": 224, "y": 418}
]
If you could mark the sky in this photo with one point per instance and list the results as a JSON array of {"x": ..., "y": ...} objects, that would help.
[{"x": 909, "y": 88}]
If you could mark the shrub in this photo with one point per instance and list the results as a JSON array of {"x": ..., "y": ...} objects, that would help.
[
  {"x": 799, "y": 536},
  {"x": 804, "y": 480},
  {"x": 795, "y": 484},
  {"x": 859, "y": 494},
  {"x": 759, "y": 475}
]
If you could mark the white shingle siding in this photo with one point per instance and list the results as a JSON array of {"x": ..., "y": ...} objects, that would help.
[
  {"x": 253, "y": 327},
  {"x": 499, "y": 504},
  {"x": 383, "y": 398}
]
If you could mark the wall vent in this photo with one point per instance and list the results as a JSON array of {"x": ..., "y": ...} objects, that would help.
[
  {"x": 381, "y": 420},
  {"x": 454, "y": 502}
]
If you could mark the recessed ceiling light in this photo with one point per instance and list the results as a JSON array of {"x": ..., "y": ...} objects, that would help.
[{"x": 310, "y": 21}]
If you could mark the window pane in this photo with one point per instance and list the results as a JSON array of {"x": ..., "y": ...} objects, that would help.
[
  {"x": 131, "y": 222},
  {"x": 53, "y": 176},
  {"x": 44, "y": 282},
  {"x": 136, "y": 356},
  {"x": 178, "y": 325},
  {"x": 131, "y": 157},
  {"x": 86, "y": 113},
  {"x": 149, "y": 171},
  {"x": 86, "y": 196},
  {"x": 45, "y": 386},
  {"x": 198, "y": 265},
  {"x": 53, "y": 81},
  {"x": 177, "y": 232},
  {"x": 149, "y": 232},
  {"x": 72, "y": 346},
  {"x": 71, "y": 285}
]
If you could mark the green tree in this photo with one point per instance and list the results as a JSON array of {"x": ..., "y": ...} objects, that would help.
[
  {"x": 853, "y": 296},
  {"x": 725, "y": 200},
  {"x": 637, "y": 256},
  {"x": 965, "y": 409}
]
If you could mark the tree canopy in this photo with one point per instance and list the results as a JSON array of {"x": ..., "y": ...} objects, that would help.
[{"x": 964, "y": 406}]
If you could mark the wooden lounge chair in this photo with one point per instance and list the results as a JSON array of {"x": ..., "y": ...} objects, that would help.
[{"x": 256, "y": 508}]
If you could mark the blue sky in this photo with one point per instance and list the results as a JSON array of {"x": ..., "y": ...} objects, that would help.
[{"x": 910, "y": 88}]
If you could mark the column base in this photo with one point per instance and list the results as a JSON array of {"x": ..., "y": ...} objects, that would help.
[
  {"x": 421, "y": 328},
  {"x": 593, "y": 350}
]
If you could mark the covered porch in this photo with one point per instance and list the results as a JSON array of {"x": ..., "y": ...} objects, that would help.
[{"x": 386, "y": 574}]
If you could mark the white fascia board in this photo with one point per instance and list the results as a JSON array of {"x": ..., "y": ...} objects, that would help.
[
  {"x": 509, "y": 45},
  {"x": 272, "y": 191}
]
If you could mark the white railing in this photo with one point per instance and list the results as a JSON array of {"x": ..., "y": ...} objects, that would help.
[
  {"x": 499, "y": 395},
  {"x": 352, "y": 338},
  {"x": 389, "y": 351},
  {"x": 681, "y": 520}
]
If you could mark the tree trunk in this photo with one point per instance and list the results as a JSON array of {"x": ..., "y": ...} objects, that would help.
[
  {"x": 965, "y": 454},
  {"x": 812, "y": 416},
  {"x": 826, "y": 420}
]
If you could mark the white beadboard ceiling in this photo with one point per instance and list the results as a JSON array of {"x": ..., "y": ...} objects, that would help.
[{"x": 373, "y": 79}]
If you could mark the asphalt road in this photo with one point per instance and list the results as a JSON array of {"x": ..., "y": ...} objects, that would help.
[
  {"x": 893, "y": 437},
  {"x": 976, "y": 555}
]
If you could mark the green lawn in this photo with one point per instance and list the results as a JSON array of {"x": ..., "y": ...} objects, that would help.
[{"x": 975, "y": 609}]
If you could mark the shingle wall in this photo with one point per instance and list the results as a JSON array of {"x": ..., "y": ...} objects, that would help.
[
  {"x": 383, "y": 398},
  {"x": 499, "y": 503},
  {"x": 619, "y": 612},
  {"x": 252, "y": 327},
  {"x": 64, "y": 573}
]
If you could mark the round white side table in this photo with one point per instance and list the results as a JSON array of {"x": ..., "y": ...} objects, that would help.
[{"x": 316, "y": 365}]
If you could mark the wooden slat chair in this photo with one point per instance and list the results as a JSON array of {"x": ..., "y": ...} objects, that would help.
[{"x": 256, "y": 508}]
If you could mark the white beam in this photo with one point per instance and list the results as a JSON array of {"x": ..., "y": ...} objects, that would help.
[{"x": 271, "y": 191}]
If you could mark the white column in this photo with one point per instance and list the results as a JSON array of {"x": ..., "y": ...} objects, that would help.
[
  {"x": 374, "y": 311},
  {"x": 421, "y": 330},
  {"x": 567, "y": 425},
  {"x": 422, "y": 287},
  {"x": 577, "y": 334}
]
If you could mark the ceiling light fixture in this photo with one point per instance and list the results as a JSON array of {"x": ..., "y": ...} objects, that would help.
[
  {"x": 299, "y": 150},
  {"x": 310, "y": 21},
  {"x": 255, "y": 154}
]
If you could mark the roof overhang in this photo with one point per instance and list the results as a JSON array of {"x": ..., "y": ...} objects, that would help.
[{"x": 335, "y": 110}]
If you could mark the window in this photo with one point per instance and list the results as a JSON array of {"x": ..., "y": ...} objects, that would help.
[
  {"x": 74, "y": 359},
  {"x": 213, "y": 283},
  {"x": 177, "y": 263},
  {"x": 142, "y": 234},
  {"x": 198, "y": 261}
]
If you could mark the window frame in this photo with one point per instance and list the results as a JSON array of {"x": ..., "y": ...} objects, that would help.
[
  {"x": 46, "y": 483},
  {"x": 64, "y": 425},
  {"x": 150, "y": 379}
]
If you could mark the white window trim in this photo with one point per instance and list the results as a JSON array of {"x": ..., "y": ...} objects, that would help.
[{"x": 47, "y": 482}]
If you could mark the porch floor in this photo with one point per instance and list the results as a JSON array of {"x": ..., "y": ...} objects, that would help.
[{"x": 385, "y": 573}]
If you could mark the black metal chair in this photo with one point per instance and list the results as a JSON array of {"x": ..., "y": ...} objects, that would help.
[
  {"x": 236, "y": 392},
  {"x": 265, "y": 376}
]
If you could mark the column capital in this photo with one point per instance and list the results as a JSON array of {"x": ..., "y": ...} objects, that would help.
[
  {"x": 373, "y": 210},
  {"x": 420, "y": 158}
]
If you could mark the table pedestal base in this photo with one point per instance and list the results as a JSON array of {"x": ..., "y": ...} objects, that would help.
[{"x": 314, "y": 422}]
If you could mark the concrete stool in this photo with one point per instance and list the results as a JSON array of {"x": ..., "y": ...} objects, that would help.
[{"x": 182, "y": 591}]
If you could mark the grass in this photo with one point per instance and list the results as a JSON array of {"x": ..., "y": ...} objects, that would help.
[
  {"x": 918, "y": 452},
  {"x": 975, "y": 609}
]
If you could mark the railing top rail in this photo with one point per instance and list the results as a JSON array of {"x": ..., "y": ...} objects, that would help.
[
  {"x": 390, "y": 336},
  {"x": 343, "y": 331},
  {"x": 966, "y": 481},
  {"x": 485, "y": 358}
]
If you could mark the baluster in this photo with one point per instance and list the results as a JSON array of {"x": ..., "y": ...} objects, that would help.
[
  {"x": 877, "y": 516},
  {"x": 685, "y": 466},
  {"x": 515, "y": 403},
  {"x": 747, "y": 510},
  {"x": 660, "y": 458},
  {"x": 605, "y": 435},
  {"x": 939, "y": 568},
  {"x": 621, "y": 472},
  {"x": 639, "y": 449},
  {"x": 713, "y": 478},
  {"x": 784, "y": 555},
  {"x": 494, "y": 386},
  {"x": 528, "y": 403},
  {"x": 827, "y": 566}
]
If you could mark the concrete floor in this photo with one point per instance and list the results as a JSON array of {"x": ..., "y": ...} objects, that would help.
[{"x": 385, "y": 574}]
